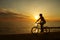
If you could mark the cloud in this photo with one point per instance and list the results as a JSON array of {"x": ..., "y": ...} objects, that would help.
[
  {"x": 7, "y": 14},
  {"x": 12, "y": 16}
]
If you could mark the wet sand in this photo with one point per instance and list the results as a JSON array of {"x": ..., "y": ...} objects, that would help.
[{"x": 41, "y": 36}]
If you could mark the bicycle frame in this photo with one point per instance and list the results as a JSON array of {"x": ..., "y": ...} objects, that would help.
[{"x": 37, "y": 29}]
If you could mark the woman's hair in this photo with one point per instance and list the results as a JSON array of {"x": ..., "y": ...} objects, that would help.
[{"x": 40, "y": 14}]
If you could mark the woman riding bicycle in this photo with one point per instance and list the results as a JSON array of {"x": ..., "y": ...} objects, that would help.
[{"x": 42, "y": 22}]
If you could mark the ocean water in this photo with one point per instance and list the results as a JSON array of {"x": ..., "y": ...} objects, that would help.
[
  {"x": 19, "y": 27},
  {"x": 53, "y": 24}
]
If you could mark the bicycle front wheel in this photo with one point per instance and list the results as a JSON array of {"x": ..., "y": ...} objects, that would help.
[{"x": 35, "y": 30}]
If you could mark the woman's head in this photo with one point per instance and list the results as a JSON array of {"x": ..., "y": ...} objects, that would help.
[{"x": 40, "y": 14}]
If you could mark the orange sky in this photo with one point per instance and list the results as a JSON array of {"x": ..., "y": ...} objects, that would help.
[{"x": 49, "y": 8}]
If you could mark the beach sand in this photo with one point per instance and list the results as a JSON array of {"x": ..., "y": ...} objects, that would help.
[{"x": 41, "y": 36}]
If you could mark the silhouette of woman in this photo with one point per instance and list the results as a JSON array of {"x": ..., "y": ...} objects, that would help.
[{"x": 42, "y": 22}]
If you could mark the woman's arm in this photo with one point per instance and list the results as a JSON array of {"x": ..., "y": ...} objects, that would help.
[{"x": 37, "y": 20}]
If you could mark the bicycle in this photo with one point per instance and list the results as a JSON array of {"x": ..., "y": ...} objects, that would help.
[{"x": 37, "y": 29}]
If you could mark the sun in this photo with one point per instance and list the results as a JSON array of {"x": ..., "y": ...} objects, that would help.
[{"x": 36, "y": 17}]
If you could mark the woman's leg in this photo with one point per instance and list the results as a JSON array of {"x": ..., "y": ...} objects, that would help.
[{"x": 42, "y": 29}]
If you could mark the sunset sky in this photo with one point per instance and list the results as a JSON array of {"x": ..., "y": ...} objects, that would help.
[{"x": 49, "y": 8}]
